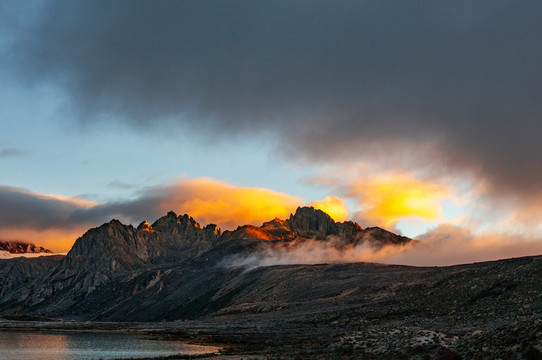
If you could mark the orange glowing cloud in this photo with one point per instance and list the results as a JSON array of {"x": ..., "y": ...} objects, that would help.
[
  {"x": 212, "y": 201},
  {"x": 333, "y": 206},
  {"x": 57, "y": 240},
  {"x": 390, "y": 198}
]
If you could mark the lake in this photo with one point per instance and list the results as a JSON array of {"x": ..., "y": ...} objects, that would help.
[{"x": 23, "y": 345}]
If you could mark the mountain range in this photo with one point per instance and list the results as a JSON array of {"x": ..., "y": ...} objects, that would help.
[{"x": 119, "y": 272}]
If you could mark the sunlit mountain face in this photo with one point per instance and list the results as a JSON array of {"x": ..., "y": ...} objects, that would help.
[{"x": 419, "y": 119}]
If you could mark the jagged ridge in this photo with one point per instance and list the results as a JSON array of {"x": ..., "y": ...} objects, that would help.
[{"x": 310, "y": 223}]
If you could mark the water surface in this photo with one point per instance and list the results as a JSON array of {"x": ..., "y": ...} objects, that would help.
[{"x": 23, "y": 345}]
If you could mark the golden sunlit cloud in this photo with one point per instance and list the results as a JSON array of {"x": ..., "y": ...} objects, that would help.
[
  {"x": 390, "y": 198},
  {"x": 385, "y": 197},
  {"x": 212, "y": 201},
  {"x": 333, "y": 206}
]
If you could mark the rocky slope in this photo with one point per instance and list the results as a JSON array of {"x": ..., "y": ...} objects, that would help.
[
  {"x": 490, "y": 310},
  {"x": 19, "y": 272}
]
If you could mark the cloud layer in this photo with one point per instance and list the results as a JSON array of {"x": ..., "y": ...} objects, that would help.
[
  {"x": 55, "y": 222},
  {"x": 453, "y": 86}
]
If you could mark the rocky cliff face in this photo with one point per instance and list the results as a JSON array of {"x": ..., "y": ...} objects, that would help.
[
  {"x": 109, "y": 247},
  {"x": 114, "y": 246},
  {"x": 19, "y": 272},
  {"x": 176, "y": 237},
  {"x": 310, "y": 223}
]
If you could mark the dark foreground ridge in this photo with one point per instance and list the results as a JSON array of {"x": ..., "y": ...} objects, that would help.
[{"x": 172, "y": 272}]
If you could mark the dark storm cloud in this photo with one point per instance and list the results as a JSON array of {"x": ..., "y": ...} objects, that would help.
[
  {"x": 21, "y": 208},
  {"x": 329, "y": 78},
  {"x": 29, "y": 210},
  {"x": 55, "y": 221},
  {"x": 145, "y": 207}
]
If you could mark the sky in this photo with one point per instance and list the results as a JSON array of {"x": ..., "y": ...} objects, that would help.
[{"x": 421, "y": 117}]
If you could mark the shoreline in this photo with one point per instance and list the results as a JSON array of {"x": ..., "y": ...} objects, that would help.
[
  {"x": 235, "y": 341},
  {"x": 155, "y": 333},
  {"x": 197, "y": 334}
]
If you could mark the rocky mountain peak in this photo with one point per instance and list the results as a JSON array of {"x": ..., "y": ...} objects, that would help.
[
  {"x": 248, "y": 232},
  {"x": 172, "y": 220},
  {"x": 112, "y": 244},
  {"x": 145, "y": 226},
  {"x": 308, "y": 222},
  {"x": 169, "y": 218},
  {"x": 115, "y": 246},
  {"x": 213, "y": 229},
  {"x": 379, "y": 237},
  {"x": 310, "y": 213},
  {"x": 278, "y": 228},
  {"x": 180, "y": 237},
  {"x": 114, "y": 222},
  {"x": 276, "y": 223},
  {"x": 18, "y": 247}
]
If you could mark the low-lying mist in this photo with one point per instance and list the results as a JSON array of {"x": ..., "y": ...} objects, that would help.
[{"x": 446, "y": 245}]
